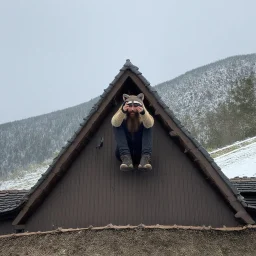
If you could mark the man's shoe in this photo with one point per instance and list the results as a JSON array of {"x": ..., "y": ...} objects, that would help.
[
  {"x": 145, "y": 163},
  {"x": 127, "y": 164}
]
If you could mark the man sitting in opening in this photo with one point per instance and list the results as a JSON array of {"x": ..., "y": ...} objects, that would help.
[{"x": 132, "y": 126}]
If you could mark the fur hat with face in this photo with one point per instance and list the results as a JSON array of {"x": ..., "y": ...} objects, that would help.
[
  {"x": 134, "y": 99},
  {"x": 144, "y": 116}
]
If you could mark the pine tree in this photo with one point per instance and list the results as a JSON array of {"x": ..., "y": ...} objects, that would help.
[
  {"x": 242, "y": 106},
  {"x": 235, "y": 119}
]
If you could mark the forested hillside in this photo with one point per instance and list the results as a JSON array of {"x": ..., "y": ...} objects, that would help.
[
  {"x": 216, "y": 102},
  {"x": 33, "y": 140}
]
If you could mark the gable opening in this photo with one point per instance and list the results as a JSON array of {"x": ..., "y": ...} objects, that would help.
[{"x": 129, "y": 87}]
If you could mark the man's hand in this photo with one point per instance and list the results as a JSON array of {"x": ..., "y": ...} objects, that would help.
[
  {"x": 128, "y": 108},
  {"x": 125, "y": 107},
  {"x": 139, "y": 109}
]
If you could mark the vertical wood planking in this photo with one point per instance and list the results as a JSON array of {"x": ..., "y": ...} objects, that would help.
[
  {"x": 6, "y": 227},
  {"x": 95, "y": 192}
]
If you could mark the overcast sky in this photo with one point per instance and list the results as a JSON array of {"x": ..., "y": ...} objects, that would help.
[{"x": 56, "y": 54}]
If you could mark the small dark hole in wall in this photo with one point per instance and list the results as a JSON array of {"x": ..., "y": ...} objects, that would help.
[{"x": 20, "y": 231}]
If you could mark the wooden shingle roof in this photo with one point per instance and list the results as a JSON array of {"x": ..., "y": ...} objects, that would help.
[
  {"x": 11, "y": 200},
  {"x": 247, "y": 187},
  {"x": 245, "y": 184}
]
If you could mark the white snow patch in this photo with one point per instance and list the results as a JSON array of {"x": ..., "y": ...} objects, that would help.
[
  {"x": 27, "y": 180},
  {"x": 239, "y": 162}
]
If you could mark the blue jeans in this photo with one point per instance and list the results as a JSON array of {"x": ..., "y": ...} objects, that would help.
[{"x": 134, "y": 144}]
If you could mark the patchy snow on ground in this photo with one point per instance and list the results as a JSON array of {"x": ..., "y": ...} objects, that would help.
[
  {"x": 237, "y": 143},
  {"x": 239, "y": 162},
  {"x": 26, "y": 181}
]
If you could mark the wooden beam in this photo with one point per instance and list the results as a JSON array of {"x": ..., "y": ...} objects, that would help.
[
  {"x": 173, "y": 133},
  {"x": 157, "y": 113},
  {"x": 186, "y": 150}
]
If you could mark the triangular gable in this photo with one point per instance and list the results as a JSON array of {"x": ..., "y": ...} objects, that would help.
[{"x": 191, "y": 146}]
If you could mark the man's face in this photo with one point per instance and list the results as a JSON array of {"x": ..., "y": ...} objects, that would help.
[{"x": 133, "y": 108}]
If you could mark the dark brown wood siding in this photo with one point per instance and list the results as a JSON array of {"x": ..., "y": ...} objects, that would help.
[
  {"x": 6, "y": 227},
  {"x": 95, "y": 192}
]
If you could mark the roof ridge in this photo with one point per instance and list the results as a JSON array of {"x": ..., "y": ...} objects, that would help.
[{"x": 237, "y": 178}]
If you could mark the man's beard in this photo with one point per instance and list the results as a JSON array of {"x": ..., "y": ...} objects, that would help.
[
  {"x": 133, "y": 121},
  {"x": 136, "y": 115}
]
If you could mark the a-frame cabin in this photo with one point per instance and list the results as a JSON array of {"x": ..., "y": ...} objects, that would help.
[{"x": 85, "y": 187}]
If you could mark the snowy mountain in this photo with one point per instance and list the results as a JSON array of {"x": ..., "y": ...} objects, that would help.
[
  {"x": 202, "y": 93},
  {"x": 206, "y": 100},
  {"x": 201, "y": 89},
  {"x": 237, "y": 162}
]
